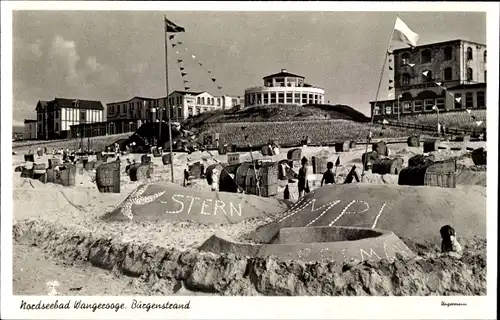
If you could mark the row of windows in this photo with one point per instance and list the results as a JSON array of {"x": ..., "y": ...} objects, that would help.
[
  {"x": 426, "y": 55},
  {"x": 156, "y": 103},
  {"x": 281, "y": 97},
  {"x": 447, "y": 76},
  {"x": 426, "y": 105}
]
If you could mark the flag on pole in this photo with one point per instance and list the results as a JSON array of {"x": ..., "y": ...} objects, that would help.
[
  {"x": 337, "y": 163},
  {"x": 172, "y": 27},
  {"x": 404, "y": 34}
]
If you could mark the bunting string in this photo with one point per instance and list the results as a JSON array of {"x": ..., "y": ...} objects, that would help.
[
  {"x": 182, "y": 70},
  {"x": 201, "y": 65}
]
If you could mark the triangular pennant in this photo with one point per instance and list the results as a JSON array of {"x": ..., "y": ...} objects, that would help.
[
  {"x": 171, "y": 37},
  {"x": 390, "y": 68},
  {"x": 390, "y": 81},
  {"x": 213, "y": 79},
  {"x": 411, "y": 64},
  {"x": 173, "y": 46},
  {"x": 194, "y": 57},
  {"x": 183, "y": 74},
  {"x": 473, "y": 117},
  {"x": 438, "y": 83},
  {"x": 390, "y": 88},
  {"x": 209, "y": 71},
  {"x": 246, "y": 137},
  {"x": 187, "y": 88},
  {"x": 458, "y": 99},
  {"x": 185, "y": 49},
  {"x": 182, "y": 68},
  {"x": 479, "y": 123},
  {"x": 468, "y": 111},
  {"x": 179, "y": 42},
  {"x": 201, "y": 65},
  {"x": 425, "y": 73},
  {"x": 385, "y": 121},
  {"x": 185, "y": 81},
  {"x": 390, "y": 95},
  {"x": 179, "y": 60},
  {"x": 337, "y": 163},
  {"x": 390, "y": 60},
  {"x": 219, "y": 87},
  {"x": 243, "y": 128}
]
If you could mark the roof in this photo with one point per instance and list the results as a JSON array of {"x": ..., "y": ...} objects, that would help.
[
  {"x": 82, "y": 104},
  {"x": 439, "y": 43},
  {"x": 134, "y": 97},
  {"x": 41, "y": 103},
  {"x": 194, "y": 93},
  {"x": 283, "y": 74},
  {"x": 478, "y": 85},
  {"x": 29, "y": 120}
]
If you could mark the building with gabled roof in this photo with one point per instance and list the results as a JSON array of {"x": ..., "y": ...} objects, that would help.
[{"x": 55, "y": 117}]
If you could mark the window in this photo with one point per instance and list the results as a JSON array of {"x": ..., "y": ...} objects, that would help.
[
  {"x": 458, "y": 100},
  {"x": 281, "y": 97},
  {"x": 289, "y": 97},
  {"x": 111, "y": 109},
  {"x": 426, "y": 56},
  {"x": 266, "y": 98},
  {"x": 202, "y": 100},
  {"x": 310, "y": 101},
  {"x": 273, "y": 97},
  {"x": 480, "y": 99},
  {"x": 82, "y": 115},
  {"x": 198, "y": 110},
  {"x": 376, "y": 110},
  {"x": 469, "y": 74},
  {"x": 198, "y": 100},
  {"x": 405, "y": 58},
  {"x": 304, "y": 98},
  {"x": 440, "y": 103},
  {"x": 406, "y": 107},
  {"x": 448, "y": 53},
  {"x": 469, "y": 100},
  {"x": 428, "y": 104},
  {"x": 388, "y": 108},
  {"x": 57, "y": 113},
  {"x": 396, "y": 108},
  {"x": 124, "y": 108},
  {"x": 448, "y": 74},
  {"x": 428, "y": 76},
  {"x": 190, "y": 111},
  {"x": 297, "y": 97},
  {"x": 469, "y": 53},
  {"x": 406, "y": 79},
  {"x": 484, "y": 56},
  {"x": 40, "y": 118},
  {"x": 57, "y": 126}
]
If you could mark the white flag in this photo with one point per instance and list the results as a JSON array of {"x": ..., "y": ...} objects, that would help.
[
  {"x": 434, "y": 107},
  {"x": 390, "y": 95},
  {"x": 411, "y": 64},
  {"x": 385, "y": 121},
  {"x": 468, "y": 111},
  {"x": 458, "y": 99},
  {"x": 400, "y": 96},
  {"x": 193, "y": 56},
  {"x": 425, "y": 73},
  {"x": 438, "y": 83},
  {"x": 405, "y": 34},
  {"x": 479, "y": 123}
]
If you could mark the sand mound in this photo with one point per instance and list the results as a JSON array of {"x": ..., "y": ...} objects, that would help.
[
  {"x": 415, "y": 213},
  {"x": 171, "y": 202}
]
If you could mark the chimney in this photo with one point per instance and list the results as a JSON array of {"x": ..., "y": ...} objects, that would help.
[{"x": 283, "y": 70}]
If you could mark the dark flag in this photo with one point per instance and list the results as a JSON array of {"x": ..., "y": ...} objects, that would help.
[
  {"x": 337, "y": 163},
  {"x": 174, "y": 45},
  {"x": 171, "y": 37},
  {"x": 390, "y": 81},
  {"x": 179, "y": 42},
  {"x": 243, "y": 128},
  {"x": 182, "y": 68},
  {"x": 187, "y": 88},
  {"x": 390, "y": 60},
  {"x": 219, "y": 87},
  {"x": 390, "y": 68},
  {"x": 213, "y": 79},
  {"x": 183, "y": 74},
  {"x": 209, "y": 71},
  {"x": 172, "y": 27},
  {"x": 390, "y": 88},
  {"x": 179, "y": 60},
  {"x": 246, "y": 137},
  {"x": 473, "y": 117},
  {"x": 185, "y": 81},
  {"x": 201, "y": 65}
]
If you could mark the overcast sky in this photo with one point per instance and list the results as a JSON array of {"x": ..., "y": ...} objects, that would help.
[{"x": 113, "y": 56}]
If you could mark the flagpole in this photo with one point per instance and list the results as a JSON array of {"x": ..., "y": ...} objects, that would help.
[
  {"x": 378, "y": 90},
  {"x": 167, "y": 103}
]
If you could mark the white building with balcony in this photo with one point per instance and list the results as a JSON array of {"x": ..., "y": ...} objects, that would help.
[{"x": 284, "y": 88}]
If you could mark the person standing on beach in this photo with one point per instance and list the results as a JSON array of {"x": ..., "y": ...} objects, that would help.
[
  {"x": 303, "y": 183},
  {"x": 328, "y": 176}
]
